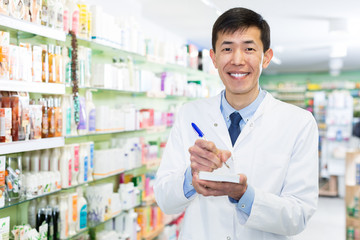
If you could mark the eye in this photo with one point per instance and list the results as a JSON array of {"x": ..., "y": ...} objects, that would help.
[
  {"x": 250, "y": 49},
  {"x": 227, "y": 49}
]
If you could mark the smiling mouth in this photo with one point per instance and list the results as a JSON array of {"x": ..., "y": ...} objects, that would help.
[{"x": 238, "y": 75}]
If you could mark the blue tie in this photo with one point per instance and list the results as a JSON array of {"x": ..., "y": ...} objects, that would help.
[{"x": 234, "y": 129}]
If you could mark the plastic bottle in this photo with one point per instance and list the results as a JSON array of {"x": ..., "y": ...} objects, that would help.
[
  {"x": 66, "y": 115},
  {"x": 45, "y": 160},
  {"x": 42, "y": 203},
  {"x": 58, "y": 118},
  {"x": 66, "y": 17},
  {"x": 45, "y": 122},
  {"x": 59, "y": 23},
  {"x": 50, "y": 222},
  {"x": 82, "y": 210},
  {"x": 45, "y": 64},
  {"x": 90, "y": 112},
  {"x": 65, "y": 167},
  {"x": 56, "y": 220},
  {"x": 80, "y": 176},
  {"x": 52, "y": 201},
  {"x": 54, "y": 167},
  {"x": 35, "y": 168},
  {"x": 91, "y": 161},
  {"x": 73, "y": 213},
  {"x": 32, "y": 213},
  {"x": 52, "y": 64},
  {"x": 25, "y": 162},
  {"x": 75, "y": 163},
  {"x": 64, "y": 217},
  {"x": 82, "y": 126},
  {"x": 44, "y": 13},
  {"x": 59, "y": 65},
  {"x": 74, "y": 16}
]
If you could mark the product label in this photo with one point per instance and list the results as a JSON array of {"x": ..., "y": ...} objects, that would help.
[
  {"x": 74, "y": 210},
  {"x": 66, "y": 21},
  {"x": 68, "y": 121},
  {"x": 86, "y": 164},
  {"x": 70, "y": 171},
  {"x": 83, "y": 217},
  {"x": 75, "y": 22},
  {"x": 92, "y": 155},
  {"x": 76, "y": 158},
  {"x": 92, "y": 120}
]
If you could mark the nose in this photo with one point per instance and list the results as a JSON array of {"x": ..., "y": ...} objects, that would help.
[{"x": 238, "y": 57}]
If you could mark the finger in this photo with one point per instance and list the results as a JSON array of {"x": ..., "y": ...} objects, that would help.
[
  {"x": 208, "y": 145},
  {"x": 196, "y": 167},
  {"x": 204, "y": 157}
]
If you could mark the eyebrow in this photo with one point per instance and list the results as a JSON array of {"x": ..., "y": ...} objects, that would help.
[{"x": 245, "y": 42}]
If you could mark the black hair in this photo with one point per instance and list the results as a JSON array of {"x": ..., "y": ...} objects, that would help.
[{"x": 239, "y": 18}]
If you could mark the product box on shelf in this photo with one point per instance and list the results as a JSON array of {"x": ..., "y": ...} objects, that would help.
[
  {"x": 99, "y": 202},
  {"x": 4, "y": 55}
]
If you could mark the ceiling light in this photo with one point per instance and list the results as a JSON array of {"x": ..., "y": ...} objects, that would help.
[{"x": 212, "y": 5}]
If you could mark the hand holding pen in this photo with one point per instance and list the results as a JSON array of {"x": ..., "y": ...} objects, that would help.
[{"x": 205, "y": 156}]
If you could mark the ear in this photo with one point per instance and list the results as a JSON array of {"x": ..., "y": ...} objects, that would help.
[
  {"x": 212, "y": 55},
  {"x": 267, "y": 58}
]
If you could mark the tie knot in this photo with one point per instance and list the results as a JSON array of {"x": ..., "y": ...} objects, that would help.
[{"x": 235, "y": 118}]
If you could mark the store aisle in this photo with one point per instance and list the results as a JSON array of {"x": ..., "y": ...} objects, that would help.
[{"x": 327, "y": 223}]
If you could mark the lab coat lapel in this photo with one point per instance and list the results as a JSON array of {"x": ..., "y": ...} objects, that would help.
[
  {"x": 251, "y": 124},
  {"x": 218, "y": 124}
]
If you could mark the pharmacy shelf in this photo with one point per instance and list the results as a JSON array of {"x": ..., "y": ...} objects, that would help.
[
  {"x": 24, "y": 200},
  {"x": 154, "y": 129},
  {"x": 31, "y": 145},
  {"x": 159, "y": 95},
  {"x": 34, "y": 87},
  {"x": 100, "y": 46},
  {"x": 17, "y": 26}
]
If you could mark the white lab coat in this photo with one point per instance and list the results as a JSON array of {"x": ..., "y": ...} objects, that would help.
[{"x": 278, "y": 152}]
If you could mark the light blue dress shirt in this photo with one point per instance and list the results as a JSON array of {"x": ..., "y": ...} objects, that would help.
[{"x": 246, "y": 201}]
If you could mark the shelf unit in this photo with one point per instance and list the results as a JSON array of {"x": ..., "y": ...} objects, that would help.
[
  {"x": 21, "y": 27},
  {"x": 32, "y": 32}
]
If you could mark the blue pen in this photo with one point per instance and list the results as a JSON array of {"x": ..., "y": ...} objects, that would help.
[{"x": 201, "y": 135}]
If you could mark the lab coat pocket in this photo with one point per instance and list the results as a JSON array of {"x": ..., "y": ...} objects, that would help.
[{"x": 269, "y": 171}]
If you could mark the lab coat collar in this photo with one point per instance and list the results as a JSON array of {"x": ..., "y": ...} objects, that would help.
[{"x": 219, "y": 124}]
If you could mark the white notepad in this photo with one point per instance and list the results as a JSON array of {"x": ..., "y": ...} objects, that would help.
[{"x": 219, "y": 177}]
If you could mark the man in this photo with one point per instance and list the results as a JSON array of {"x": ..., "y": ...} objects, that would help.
[{"x": 273, "y": 148}]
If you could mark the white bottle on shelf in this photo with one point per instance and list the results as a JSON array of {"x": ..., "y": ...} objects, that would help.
[
  {"x": 25, "y": 162},
  {"x": 74, "y": 15},
  {"x": 35, "y": 168},
  {"x": 81, "y": 175},
  {"x": 91, "y": 160},
  {"x": 64, "y": 216},
  {"x": 90, "y": 112},
  {"x": 32, "y": 213},
  {"x": 54, "y": 168},
  {"x": 45, "y": 160},
  {"x": 82, "y": 210},
  {"x": 75, "y": 163},
  {"x": 73, "y": 212},
  {"x": 65, "y": 167}
]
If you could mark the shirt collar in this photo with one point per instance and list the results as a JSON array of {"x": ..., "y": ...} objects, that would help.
[{"x": 247, "y": 112}]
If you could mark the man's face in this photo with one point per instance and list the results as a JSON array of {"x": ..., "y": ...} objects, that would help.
[{"x": 240, "y": 59}]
